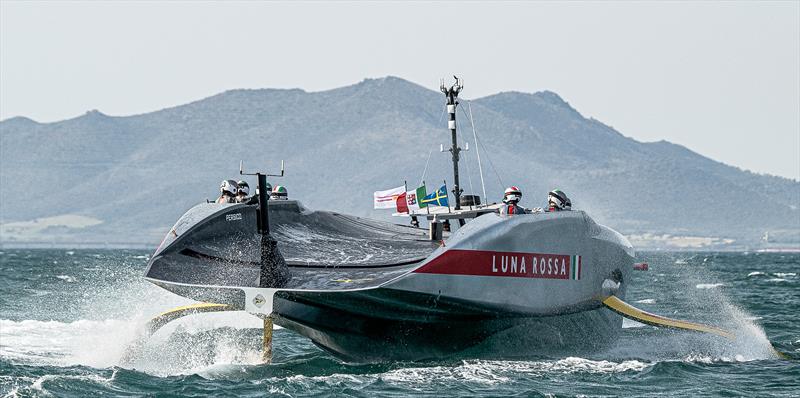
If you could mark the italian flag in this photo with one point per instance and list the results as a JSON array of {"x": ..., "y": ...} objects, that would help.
[
  {"x": 414, "y": 198},
  {"x": 575, "y": 268}
]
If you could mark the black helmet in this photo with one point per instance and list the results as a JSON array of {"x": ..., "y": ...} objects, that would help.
[
  {"x": 243, "y": 187},
  {"x": 558, "y": 200},
  {"x": 268, "y": 189}
]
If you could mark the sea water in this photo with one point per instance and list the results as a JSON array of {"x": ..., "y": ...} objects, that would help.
[{"x": 68, "y": 319}]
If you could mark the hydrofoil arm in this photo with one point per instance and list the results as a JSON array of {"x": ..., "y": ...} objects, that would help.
[
  {"x": 166, "y": 317},
  {"x": 631, "y": 312}
]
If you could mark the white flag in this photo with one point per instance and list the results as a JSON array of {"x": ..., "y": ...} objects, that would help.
[{"x": 387, "y": 199}]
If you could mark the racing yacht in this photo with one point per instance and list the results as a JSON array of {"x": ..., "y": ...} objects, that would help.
[{"x": 371, "y": 291}]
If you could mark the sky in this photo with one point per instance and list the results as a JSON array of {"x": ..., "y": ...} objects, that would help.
[{"x": 721, "y": 78}]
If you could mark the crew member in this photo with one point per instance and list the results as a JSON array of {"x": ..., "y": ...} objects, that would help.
[
  {"x": 242, "y": 192},
  {"x": 557, "y": 200},
  {"x": 254, "y": 199},
  {"x": 279, "y": 193},
  {"x": 511, "y": 200},
  {"x": 227, "y": 191}
]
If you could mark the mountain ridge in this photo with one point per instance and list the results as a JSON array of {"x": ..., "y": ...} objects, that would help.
[{"x": 537, "y": 140}]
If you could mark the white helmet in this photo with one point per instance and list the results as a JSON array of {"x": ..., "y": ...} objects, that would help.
[
  {"x": 558, "y": 200},
  {"x": 279, "y": 192},
  {"x": 512, "y": 195},
  {"x": 228, "y": 186}
]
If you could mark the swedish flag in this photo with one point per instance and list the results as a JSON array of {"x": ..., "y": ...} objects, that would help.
[{"x": 438, "y": 198}]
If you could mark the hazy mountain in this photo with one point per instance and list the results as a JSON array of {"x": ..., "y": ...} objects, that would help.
[{"x": 137, "y": 174}]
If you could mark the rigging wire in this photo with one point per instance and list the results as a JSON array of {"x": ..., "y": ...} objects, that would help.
[
  {"x": 424, "y": 171},
  {"x": 469, "y": 176},
  {"x": 477, "y": 152},
  {"x": 491, "y": 163},
  {"x": 486, "y": 152}
]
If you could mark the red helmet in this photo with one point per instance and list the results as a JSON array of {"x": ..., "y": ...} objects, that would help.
[{"x": 512, "y": 195}]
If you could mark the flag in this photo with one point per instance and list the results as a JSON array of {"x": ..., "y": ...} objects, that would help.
[
  {"x": 387, "y": 199},
  {"x": 414, "y": 198},
  {"x": 575, "y": 267},
  {"x": 438, "y": 198},
  {"x": 402, "y": 206}
]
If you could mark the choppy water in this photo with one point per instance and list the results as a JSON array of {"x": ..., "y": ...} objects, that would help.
[{"x": 67, "y": 317}]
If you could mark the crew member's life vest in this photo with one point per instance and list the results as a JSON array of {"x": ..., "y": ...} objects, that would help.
[
  {"x": 224, "y": 199},
  {"x": 511, "y": 209}
]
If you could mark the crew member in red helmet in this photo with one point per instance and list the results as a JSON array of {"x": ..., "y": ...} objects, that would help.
[{"x": 511, "y": 200}]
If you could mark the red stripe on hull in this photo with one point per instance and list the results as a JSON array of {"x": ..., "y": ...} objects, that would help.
[{"x": 492, "y": 263}]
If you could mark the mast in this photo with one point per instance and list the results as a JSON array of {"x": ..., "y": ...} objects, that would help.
[
  {"x": 273, "y": 272},
  {"x": 451, "y": 94}
]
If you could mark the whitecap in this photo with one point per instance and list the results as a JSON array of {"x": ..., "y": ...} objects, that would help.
[
  {"x": 65, "y": 343},
  {"x": 66, "y": 278},
  {"x": 646, "y": 301},
  {"x": 479, "y": 372},
  {"x": 574, "y": 364},
  {"x": 756, "y": 273},
  {"x": 494, "y": 372},
  {"x": 784, "y": 274},
  {"x": 776, "y": 280},
  {"x": 707, "y": 359},
  {"x": 38, "y": 383},
  {"x": 70, "y": 253},
  {"x": 709, "y": 285}
]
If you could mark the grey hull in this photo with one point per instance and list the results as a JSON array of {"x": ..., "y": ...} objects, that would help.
[
  {"x": 385, "y": 325},
  {"x": 369, "y": 291}
]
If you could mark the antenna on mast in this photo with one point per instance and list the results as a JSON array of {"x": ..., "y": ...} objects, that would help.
[
  {"x": 451, "y": 94},
  {"x": 241, "y": 171}
]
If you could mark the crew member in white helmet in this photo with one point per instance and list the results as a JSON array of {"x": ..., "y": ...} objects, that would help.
[
  {"x": 557, "y": 200},
  {"x": 243, "y": 192},
  {"x": 227, "y": 191},
  {"x": 511, "y": 200},
  {"x": 279, "y": 193}
]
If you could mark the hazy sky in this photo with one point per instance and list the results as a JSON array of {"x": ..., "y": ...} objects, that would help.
[{"x": 722, "y": 78}]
